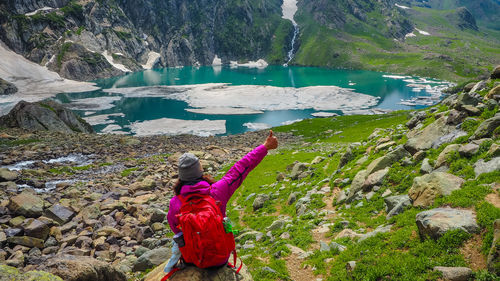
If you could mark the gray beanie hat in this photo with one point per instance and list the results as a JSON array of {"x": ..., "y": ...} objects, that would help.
[{"x": 189, "y": 167}]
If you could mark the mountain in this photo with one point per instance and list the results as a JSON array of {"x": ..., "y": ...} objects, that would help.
[{"x": 87, "y": 40}]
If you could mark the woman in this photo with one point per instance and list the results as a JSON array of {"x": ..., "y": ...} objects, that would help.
[{"x": 192, "y": 180}]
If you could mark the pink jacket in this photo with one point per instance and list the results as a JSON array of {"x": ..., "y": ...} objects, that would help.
[{"x": 221, "y": 190}]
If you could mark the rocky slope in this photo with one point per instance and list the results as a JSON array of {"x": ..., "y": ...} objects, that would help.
[
  {"x": 344, "y": 197},
  {"x": 85, "y": 40}
]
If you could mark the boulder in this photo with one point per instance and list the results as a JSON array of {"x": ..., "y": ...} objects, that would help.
[
  {"x": 346, "y": 157},
  {"x": 259, "y": 201},
  {"x": 455, "y": 117},
  {"x": 59, "y": 213},
  {"x": 379, "y": 229},
  {"x": 26, "y": 204},
  {"x": 376, "y": 178},
  {"x": 494, "y": 253},
  {"x": 7, "y": 88},
  {"x": 495, "y": 74},
  {"x": 494, "y": 150},
  {"x": 8, "y": 273},
  {"x": 469, "y": 86},
  {"x": 494, "y": 93},
  {"x": 419, "y": 116},
  {"x": 152, "y": 258},
  {"x": 191, "y": 273},
  {"x": 278, "y": 224},
  {"x": 79, "y": 268},
  {"x": 479, "y": 86},
  {"x": 427, "y": 187},
  {"x": 455, "y": 273},
  {"x": 447, "y": 152},
  {"x": 44, "y": 116},
  {"x": 395, "y": 205},
  {"x": 482, "y": 167},
  {"x": 470, "y": 98},
  {"x": 37, "y": 229},
  {"x": 432, "y": 135},
  {"x": 486, "y": 128},
  {"x": 426, "y": 167},
  {"x": 468, "y": 150},
  {"x": 436, "y": 222},
  {"x": 357, "y": 184},
  {"x": 27, "y": 241},
  {"x": 297, "y": 170},
  {"x": 387, "y": 160},
  {"x": 7, "y": 175}
]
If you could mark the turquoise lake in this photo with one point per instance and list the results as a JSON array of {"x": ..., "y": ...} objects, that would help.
[{"x": 122, "y": 111}]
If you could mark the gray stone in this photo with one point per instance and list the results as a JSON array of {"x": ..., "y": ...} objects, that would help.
[
  {"x": 470, "y": 98},
  {"x": 350, "y": 266},
  {"x": 380, "y": 229},
  {"x": 292, "y": 198},
  {"x": 482, "y": 167},
  {"x": 387, "y": 160},
  {"x": 335, "y": 245},
  {"x": 37, "y": 229},
  {"x": 468, "y": 150},
  {"x": 437, "y": 132},
  {"x": 77, "y": 268},
  {"x": 493, "y": 261},
  {"x": 495, "y": 74},
  {"x": 151, "y": 259},
  {"x": 26, "y": 204},
  {"x": 356, "y": 185},
  {"x": 376, "y": 178},
  {"x": 297, "y": 170},
  {"x": 472, "y": 110},
  {"x": 7, "y": 175},
  {"x": 259, "y": 201},
  {"x": 157, "y": 216},
  {"x": 419, "y": 116},
  {"x": 426, "y": 167},
  {"x": 386, "y": 193},
  {"x": 317, "y": 160},
  {"x": 341, "y": 197},
  {"x": 427, "y": 187},
  {"x": 44, "y": 116},
  {"x": 455, "y": 273},
  {"x": 395, "y": 205},
  {"x": 59, "y": 213},
  {"x": 278, "y": 224},
  {"x": 455, "y": 117},
  {"x": 346, "y": 157},
  {"x": 445, "y": 154},
  {"x": 494, "y": 150},
  {"x": 369, "y": 195},
  {"x": 486, "y": 128},
  {"x": 7, "y": 88},
  {"x": 436, "y": 222}
]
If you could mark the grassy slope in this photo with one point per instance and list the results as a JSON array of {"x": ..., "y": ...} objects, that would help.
[
  {"x": 398, "y": 255},
  {"x": 362, "y": 45}
]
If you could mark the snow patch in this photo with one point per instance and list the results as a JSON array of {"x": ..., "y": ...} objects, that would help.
[
  {"x": 34, "y": 82},
  {"x": 39, "y": 10},
  {"x": 153, "y": 58},
  {"x": 102, "y": 119},
  {"x": 291, "y": 122},
  {"x": 289, "y": 8},
  {"x": 217, "y": 61},
  {"x": 168, "y": 126},
  {"x": 224, "y": 111},
  {"x": 410, "y": 35},
  {"x": 119, "y": 66},
  {"x": 422, "y": 32},
  {"x": 95, "y": 104},
  {"x": 256, "y": 97},
  {"x": 402, "y": 7},
  {"x": 113, "y": 129},
  {"x": 396, "y": 76},
  {"x": 257, "y": 126},
  {"x": 324, "y": 114},
  {"x": 251, "y": 64}
]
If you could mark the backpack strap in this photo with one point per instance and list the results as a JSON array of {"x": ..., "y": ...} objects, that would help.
[
  {"x": 174, "y": 270},
  {"x": 235, "y": 256}
]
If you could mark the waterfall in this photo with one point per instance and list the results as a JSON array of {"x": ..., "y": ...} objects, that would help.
[
  {"x": 289, "y": 8},
  {"x": 292, "y": 45}
]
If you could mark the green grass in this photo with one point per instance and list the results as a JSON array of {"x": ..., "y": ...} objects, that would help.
[{"x": 127, "y": 172}]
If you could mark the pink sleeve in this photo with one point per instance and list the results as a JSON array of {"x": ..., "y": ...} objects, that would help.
[
  {"x": 173, "y": 210},
  {"x": 225, "y": 187}
]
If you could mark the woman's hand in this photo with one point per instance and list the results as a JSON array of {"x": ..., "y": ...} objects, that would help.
[{"x": 271, "y": 141}]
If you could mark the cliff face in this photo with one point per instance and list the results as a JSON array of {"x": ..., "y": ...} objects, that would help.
[{"x": 71, "y": 36}]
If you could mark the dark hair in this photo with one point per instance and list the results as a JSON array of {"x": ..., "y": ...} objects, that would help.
[{"x": 179, "y": 184}]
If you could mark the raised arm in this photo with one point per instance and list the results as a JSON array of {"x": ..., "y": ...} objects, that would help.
[{"x": 224, "y": 188}]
